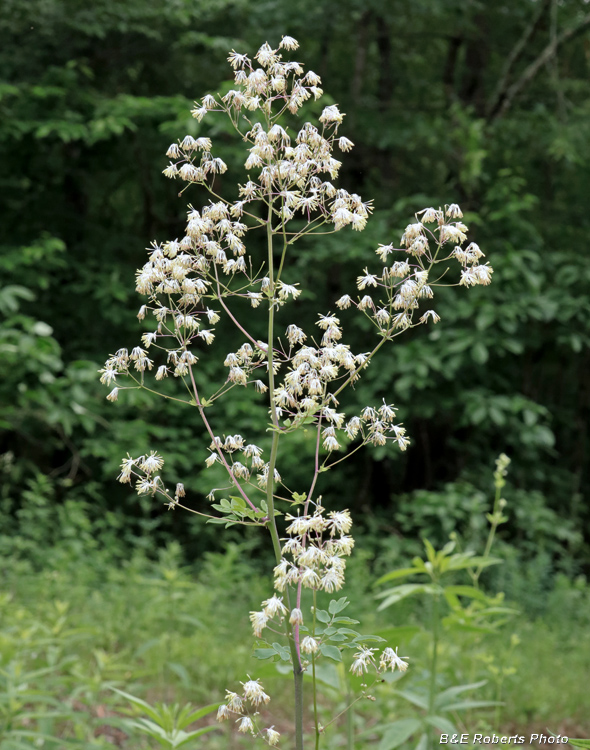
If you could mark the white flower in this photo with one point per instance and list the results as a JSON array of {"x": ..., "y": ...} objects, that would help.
[
  {"x": 430, "y": 314},
  {"x": 246, "y": 724},
  {"x": 254, "y": 693},
  {"x": 296, "y": 617},
  {"x": 222, "y": 712},
  {"x": 454, "y": 212},
  {"x": 309, "y": 645},
  {"x": 258, "y": 620},
  {"x": 234, "y": 702},
  {"x": 344, "y": 302},
  {"x": 341, "y": 521},
  {"x": 287, "y": 42},
  {"x": 126, "y": 467},
  {"x": 389, "y": 658},
  {"x": 368, "y": 279},
  {"x": 431, "y": 214},
  {"x": 272, "y": 736},
  {"x": 274, "y": 606},
  {"x": 151, "y": 463},
  {"x": 331, "y": 114},
  {"x": 362, "y": 659},
  {"x": 109, "y": 374}
]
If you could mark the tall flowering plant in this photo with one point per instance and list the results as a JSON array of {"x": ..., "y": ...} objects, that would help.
[{"x": 192, "y": 282}]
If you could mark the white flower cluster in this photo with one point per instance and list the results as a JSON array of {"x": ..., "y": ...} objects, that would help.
[
  {"x": 364, "y": 658},
  {"x": 144, "y": 469},
  {"x": 316, "y": 549},
  {"x": 240, "y": 707},
  {"x": 251, "y": 458},
  {"x": 404, "y": 283},
  {"x": 243, "y": 362},
  {"x": 291, "y": 170},
  {"x": 305, "y": 390}
]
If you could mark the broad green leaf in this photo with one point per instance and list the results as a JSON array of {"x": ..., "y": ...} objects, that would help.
[
  {"x": 337, "y": 605},
  {"x": 398, "y": 732},
  {"x": 442, "y": 723},
  {"x": 332, "y": 652},
  {"x": 462, "y": 705},
  {"x": 459, "y": 562},
  {"x": 322, "y": 615},
  {"x": 150, "y": 727},
  {"x": 264, "y": 653},
  {"x": 469, "y": 591},
  {"x": 430, "y": 551},
  {"x": 151, "y": 711},
  {"x": 400, "y": 573},
  {"x": 327, "y": 674},
  {"x": 417, "y": 700},
  {"x": 391, "y": 596},
  {"x": 282, "y": 651},
  {"x": 197, "y": 714},
  {"x": 367, "y": 638},
  {"x": 188, "y": 736},
  {"x": 451, "y": 693}
]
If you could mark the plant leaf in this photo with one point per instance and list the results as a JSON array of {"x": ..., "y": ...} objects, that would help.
[
  {"x": 398, "y": 732},
  {"x": 332, "y": 652}
]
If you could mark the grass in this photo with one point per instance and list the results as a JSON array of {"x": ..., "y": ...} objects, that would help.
[{"x": 161, "y": 632}]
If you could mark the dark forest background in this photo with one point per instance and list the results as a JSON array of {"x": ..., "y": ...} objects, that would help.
[{"x": 486, "y": 104}]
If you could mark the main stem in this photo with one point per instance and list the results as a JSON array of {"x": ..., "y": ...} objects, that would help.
[
  {"x": 434, "y": 662},
  {"x": 272, "y": 525}
]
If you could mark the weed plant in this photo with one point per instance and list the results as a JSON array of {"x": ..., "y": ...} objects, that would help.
[{"x": 287, "y": 195}]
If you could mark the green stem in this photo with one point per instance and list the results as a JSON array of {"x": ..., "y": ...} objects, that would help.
[
  {"x": 492, "y": 533},
  {"x": 433, "y": 664},
  {"x": 315, "y": 693},
  {"x": 349, "y": 723},
  {"x": 272, "y": 524}
]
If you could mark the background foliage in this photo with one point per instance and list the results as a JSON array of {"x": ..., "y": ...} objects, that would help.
[{"x": 485, "y": 104}]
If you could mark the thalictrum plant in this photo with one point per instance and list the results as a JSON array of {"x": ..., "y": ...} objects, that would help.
[{"x": 290, "y": 193}]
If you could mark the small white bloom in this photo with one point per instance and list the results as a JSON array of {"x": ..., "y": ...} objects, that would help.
[
  {"x": 296, "y": 617},
  {"x": 389, "y": 658},
  {"x": 254, "y": 692},
  {"x": 222, "y": 712},
  {"x": 274, "y": 606},
  {"x": 126, "y": 468},
  {"x": 362, "y": 659},
  {"x": 287, "y": 42},
  {"x": 245, "y": 724},
  {"x": 430, "y": 314},
  {"x": 309, "y": 645},
  {"x": 259, "y": 621},
  {"x": 151, "y": 463},
  {"x": 234, "y": 702}
]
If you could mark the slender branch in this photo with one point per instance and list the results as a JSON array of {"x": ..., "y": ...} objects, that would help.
[
  {"x": 513, "y": 57},
  {"x": 546, "y": 55},
  {"x": 230, "y": 315},
  {"x": 237, "y": 485}
]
